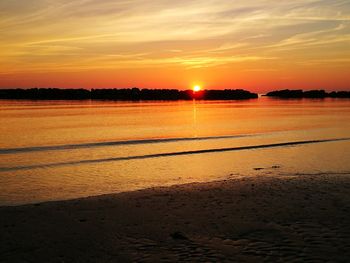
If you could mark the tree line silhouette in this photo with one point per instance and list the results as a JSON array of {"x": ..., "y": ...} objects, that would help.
[
  {"x": 299, "y": 94},
  {"x": 133, "y": 94}
]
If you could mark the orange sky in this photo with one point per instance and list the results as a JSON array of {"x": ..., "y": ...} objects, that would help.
[{"x": 258, "y": 45}]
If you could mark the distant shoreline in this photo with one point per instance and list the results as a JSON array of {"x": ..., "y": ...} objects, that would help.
[
  {"x": 135, "y": 94},
  {"x": 313, "y": 94}
]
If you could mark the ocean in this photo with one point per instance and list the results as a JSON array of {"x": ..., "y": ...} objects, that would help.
[{"x": 59, "y": 150}]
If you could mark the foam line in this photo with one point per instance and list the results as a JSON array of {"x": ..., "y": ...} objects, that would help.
[{"x": 147, "y": 156}]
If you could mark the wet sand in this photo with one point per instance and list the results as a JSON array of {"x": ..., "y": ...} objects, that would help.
[{"x": 298, "y": 218}]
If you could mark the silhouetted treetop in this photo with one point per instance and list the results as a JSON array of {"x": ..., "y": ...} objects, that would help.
[
  {"x": 133, "y": 94},
  {"x": 288, "y": 94}
]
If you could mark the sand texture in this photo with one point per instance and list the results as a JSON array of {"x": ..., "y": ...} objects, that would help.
[{"x": 299, "y": 218}]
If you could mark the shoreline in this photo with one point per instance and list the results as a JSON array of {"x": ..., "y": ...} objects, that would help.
[{"x": 250, "y": 219}]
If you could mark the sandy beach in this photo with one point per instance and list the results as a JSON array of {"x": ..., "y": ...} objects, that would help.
[{"x": 294, "y": 218}]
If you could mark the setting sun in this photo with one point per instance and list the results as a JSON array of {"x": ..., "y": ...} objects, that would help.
[{"x": 196, "y": 88}]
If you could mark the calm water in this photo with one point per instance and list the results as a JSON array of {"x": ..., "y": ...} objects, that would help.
[{"x": 63, "y": 150}]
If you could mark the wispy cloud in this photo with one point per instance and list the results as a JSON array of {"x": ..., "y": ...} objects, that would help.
[{"x": 51, "y": 35}]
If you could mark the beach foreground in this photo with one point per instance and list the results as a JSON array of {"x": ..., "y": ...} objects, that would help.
[{"x": 282, "y": 218}]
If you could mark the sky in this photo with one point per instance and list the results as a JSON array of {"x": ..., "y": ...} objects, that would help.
[{"x": 257, "y": 45}]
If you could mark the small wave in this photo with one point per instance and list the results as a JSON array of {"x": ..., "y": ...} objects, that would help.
[
  {"x": 169, "y": 154},
  {"x": 116, "y": 143}
]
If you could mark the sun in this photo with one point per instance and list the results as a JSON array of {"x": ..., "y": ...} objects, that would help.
[{"x": 196, "y": 88}]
